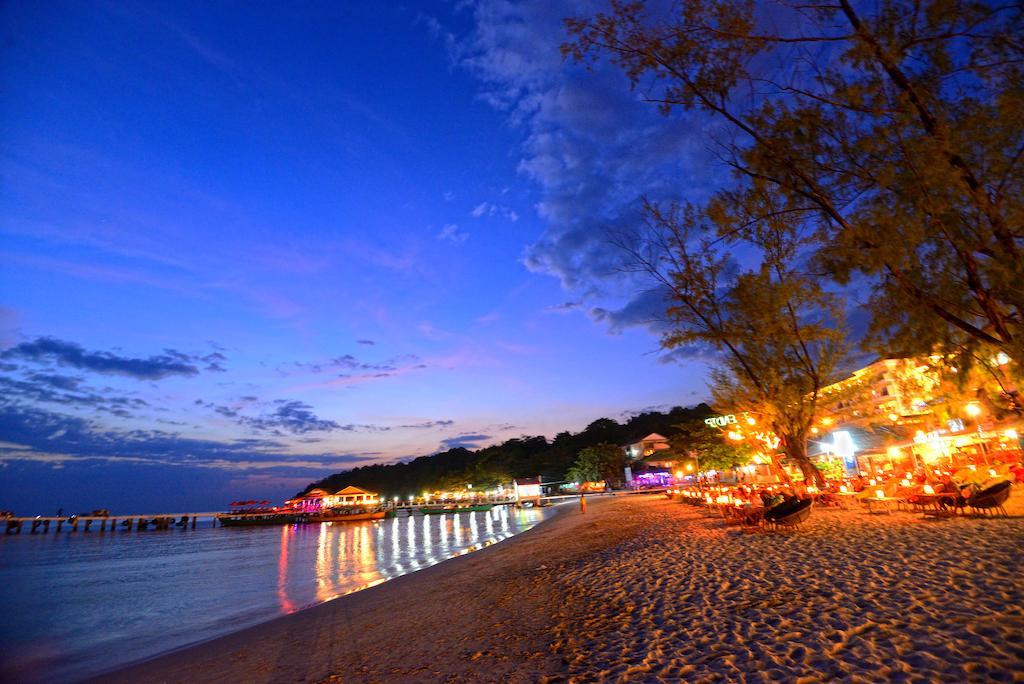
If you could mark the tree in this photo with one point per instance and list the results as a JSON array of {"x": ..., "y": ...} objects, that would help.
[
  {"x": 603, "y": 461},
  {"x": 707, "y": 447},
  {"x": 894, "y": 130},
  {"x": 775, "y": 329}
]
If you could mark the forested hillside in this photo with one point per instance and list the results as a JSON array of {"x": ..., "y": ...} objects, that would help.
[{"x": 522, "y": 456}]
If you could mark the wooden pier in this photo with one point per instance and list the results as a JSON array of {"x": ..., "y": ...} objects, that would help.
[{"x": 160, "y": 521}]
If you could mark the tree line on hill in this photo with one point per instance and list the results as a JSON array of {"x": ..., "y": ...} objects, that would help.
[{"x": 519, "y": 457}]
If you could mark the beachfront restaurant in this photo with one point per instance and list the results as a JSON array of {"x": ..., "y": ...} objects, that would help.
[
  {"x": 310, "y": 502},
  {"x": 894, "y": 449},
  {"x": 351, "y": 496},
  {"x": 317, "y": 499}
]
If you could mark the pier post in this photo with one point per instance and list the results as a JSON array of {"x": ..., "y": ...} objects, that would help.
[
  {"x": 193, "y": 521},
  {"x": 46, "y": 526},
  {"x": 60, "y": 524},
  {"x": 113, "y": 524},
  {"x": 74, "y": 525},
  {"x": 88, "y": 524}
]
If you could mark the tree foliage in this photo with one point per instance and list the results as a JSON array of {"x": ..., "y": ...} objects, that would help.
[
  {"x": 892, "y": 131},
  {"x": 776, "y": 331},
  {"x": 602, "y": 461},
  {"x": 707, "y": 448}
]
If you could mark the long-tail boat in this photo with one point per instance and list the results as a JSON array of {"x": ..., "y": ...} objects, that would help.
[{"x": 346, "y": 514}]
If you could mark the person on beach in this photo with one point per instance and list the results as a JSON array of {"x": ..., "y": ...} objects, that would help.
[
  {"x": 583, "y": 503},
  {"x": 947, "y": 486}
]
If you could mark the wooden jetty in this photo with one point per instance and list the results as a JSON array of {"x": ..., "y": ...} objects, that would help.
[{"x": 160, "y": 521}]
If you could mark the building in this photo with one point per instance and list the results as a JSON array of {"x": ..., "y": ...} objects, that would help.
[
  {"x": 527, "y": 489},
  {"x": 888, "y": 390},
  {"x": 317, "y": 499},
  {"x": 899, "y": 414},
  {"x": 310, "y": 502},
  {"x": 649, "y": 449},
  {"x": 352, "y": 496}
]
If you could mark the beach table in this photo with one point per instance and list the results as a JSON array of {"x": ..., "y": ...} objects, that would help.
[{"x": 931, "y": 504}]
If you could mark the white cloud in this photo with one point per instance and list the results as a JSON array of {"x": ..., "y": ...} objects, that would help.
[
  {"x": 489, "y": 209},
  {"x": 451, "y": 233}
]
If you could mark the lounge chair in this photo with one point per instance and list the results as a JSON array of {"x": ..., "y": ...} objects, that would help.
[
  {"x": 991, "y": 499},
  {"x": 790, "y": 514}
]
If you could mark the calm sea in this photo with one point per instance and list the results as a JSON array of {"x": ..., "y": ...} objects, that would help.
[{"x": 75, "y": 605}]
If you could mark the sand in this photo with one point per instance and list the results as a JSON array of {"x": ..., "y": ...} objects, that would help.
[{"x": 643, "y": 589}]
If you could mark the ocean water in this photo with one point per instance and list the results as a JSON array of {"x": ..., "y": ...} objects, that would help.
[{"x": 76, "y": 605}]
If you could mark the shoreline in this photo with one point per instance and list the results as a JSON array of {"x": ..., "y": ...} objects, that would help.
[
  {"x": 349, "y": 618},
  {"x": 642, "y": 588}
]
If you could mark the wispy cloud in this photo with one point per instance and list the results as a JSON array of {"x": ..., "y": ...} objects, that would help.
[
  {"x": 488, "y": 209},
  {"x": 564, "y": 307},
  {"x": 465, "y": 441},
  {"x": 170, "y": 362},
  {"x": 34, "y": 434},
  {"x": 450, "y": 232},
  {"x": 428, "y": 425}
]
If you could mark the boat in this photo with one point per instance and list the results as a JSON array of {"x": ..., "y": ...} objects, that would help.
[
  {"x": 455, "y": 508},
  {"x": 250, "y": 513},
  {"x": 254, "y": 518},
  {"x": 346, "y": 515}
]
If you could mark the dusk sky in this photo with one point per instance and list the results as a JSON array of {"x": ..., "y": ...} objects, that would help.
[{"x": 246, "y": 247}]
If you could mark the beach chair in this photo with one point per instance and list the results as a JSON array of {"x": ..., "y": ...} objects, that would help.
[
  {"x": 788, "y": 515},
  {"x": 991, "y": 499}
]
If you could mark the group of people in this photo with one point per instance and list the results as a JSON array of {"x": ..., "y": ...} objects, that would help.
[{"x": 908, "y": 485}]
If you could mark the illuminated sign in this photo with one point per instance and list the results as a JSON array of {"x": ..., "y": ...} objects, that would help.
[{"x": 721, "y": 421}]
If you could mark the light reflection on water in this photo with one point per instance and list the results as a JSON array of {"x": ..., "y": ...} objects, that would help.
[{"x": 76, "y": 605}]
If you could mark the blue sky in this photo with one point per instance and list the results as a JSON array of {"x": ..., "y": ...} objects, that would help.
[{"x": 245, "y": 247}]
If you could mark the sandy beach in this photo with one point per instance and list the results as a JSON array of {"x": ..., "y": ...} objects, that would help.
[{"x": 644, "y": 589}]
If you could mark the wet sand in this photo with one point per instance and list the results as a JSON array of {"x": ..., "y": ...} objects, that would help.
[{"x": 643, "y": 589}]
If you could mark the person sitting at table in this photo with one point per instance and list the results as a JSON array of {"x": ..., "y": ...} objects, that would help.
[
  {"x": 828, "y": 497},
  {"x": 947, "y": 486}
]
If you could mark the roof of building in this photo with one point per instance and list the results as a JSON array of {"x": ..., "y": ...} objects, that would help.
[{"x": 355, "y": 490}]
